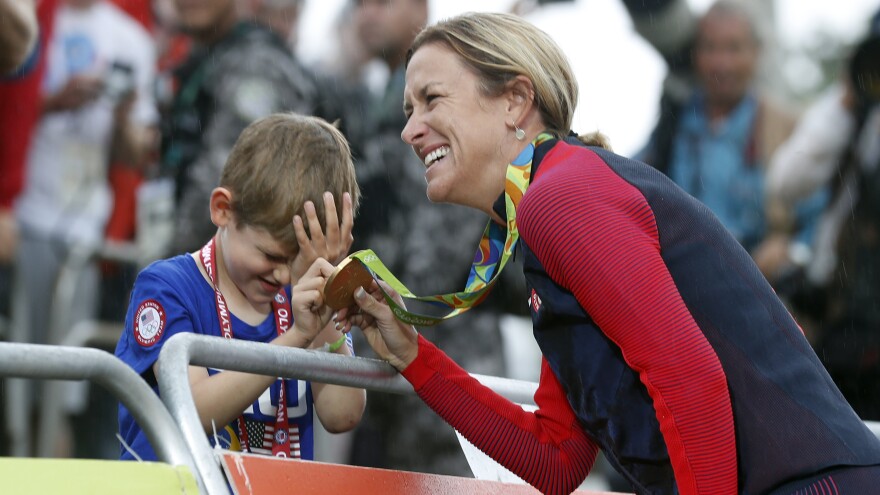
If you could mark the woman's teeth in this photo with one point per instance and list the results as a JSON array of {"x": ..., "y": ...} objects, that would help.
[{"x": 436, "y": 155}]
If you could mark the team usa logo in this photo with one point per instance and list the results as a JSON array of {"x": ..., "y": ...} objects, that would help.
[
  {"x": 534, "y": 301},
  {"x": 149, "y": 323}
]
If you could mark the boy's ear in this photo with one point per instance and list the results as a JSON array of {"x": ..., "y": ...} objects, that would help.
[{"x": 221, "y": 206}]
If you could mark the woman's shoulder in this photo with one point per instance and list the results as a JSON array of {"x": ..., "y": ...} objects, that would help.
[
  {"x": 574, "y": 176},
  {"x": 567, "y": 157}
]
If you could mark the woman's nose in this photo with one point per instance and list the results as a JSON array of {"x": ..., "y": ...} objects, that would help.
[{"x": 413, "y": 131}]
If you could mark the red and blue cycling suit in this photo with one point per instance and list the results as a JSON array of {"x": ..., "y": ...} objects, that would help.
[{"x": 663, "y": 346}]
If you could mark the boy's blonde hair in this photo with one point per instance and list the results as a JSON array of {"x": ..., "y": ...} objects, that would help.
[{"x": 281, "y": 161}]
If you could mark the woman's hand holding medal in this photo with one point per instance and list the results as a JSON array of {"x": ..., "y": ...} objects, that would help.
[{"x": 392, "y": 340}]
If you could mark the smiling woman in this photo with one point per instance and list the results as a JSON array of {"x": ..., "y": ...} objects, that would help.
[{"x": 662, "y": 343}]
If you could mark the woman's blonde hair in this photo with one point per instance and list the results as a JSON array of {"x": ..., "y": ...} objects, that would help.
[
  {"x": 281, "y": 161},
  {"x": 499, "y": 47}
]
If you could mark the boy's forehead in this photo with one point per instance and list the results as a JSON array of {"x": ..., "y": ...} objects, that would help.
[{"x": 270, "y": 244}]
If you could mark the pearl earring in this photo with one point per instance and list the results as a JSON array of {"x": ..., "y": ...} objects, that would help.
[{"x": 519, "y": 133}]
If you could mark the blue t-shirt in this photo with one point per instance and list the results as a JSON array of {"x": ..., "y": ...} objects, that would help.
[{"x": 172, "y": 296}]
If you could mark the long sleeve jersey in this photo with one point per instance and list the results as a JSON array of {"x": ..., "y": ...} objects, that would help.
[{"x": 663, "y": 345}]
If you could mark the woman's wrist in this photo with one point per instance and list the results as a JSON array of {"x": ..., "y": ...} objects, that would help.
[{"x": 407, "y": 355}]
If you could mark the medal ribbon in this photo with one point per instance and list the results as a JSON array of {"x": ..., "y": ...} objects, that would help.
[
  {"x": 281, "y": 441},
  {"x": 493, "y": 252}
]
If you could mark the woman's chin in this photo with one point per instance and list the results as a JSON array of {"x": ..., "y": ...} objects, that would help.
[{"x": 436, "y": 193}]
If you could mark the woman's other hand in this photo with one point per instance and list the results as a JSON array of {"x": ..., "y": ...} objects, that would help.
[{"x": 391, "y": 339}]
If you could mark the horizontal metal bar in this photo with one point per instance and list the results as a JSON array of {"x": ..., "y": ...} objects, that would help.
[
  {"x": 187, "y": 349},
  {"x": 73, "y": 363}
]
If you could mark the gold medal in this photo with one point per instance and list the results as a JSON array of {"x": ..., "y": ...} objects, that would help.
[{"x": 339, "y": 288}]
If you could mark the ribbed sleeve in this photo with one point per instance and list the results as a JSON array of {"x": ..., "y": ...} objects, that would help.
[
  {"x": 595, "y": 235},
  {"x": 546, "y": 448}
]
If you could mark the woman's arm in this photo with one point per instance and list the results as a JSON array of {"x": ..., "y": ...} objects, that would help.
[{"x": 547, "y": 448}]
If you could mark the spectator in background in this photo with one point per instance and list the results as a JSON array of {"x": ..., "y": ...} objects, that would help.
[
  {"x": 237, "y": 72},
  {"x": 21, "y": 65},
  {"x": 281, "y": 16},
  {"x": 385, "y": 29},
  {"x": 172, "y": 49},
  {"x": 338, "y": 100},
  {"x": 350, "y": 75},
  {"x": 96, "y": 109},
  {"x": 19, "y": 113},
  {"x": 125, "y": 180},
  {"x": 717, "y": 132},
  {"x": 837, "y": 143},
  {"x": 410, "y": 234}
]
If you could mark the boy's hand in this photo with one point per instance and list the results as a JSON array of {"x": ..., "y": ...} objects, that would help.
[
  {"x": 333, "y": 246},
  {"x": 327, "y": 336},
  {"x": 310, "y": 314}
]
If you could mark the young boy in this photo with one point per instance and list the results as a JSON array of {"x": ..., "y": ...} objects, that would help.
[{"x": 282, "y": 167}]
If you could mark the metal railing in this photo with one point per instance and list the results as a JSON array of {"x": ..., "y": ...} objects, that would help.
[
  {"x": 50, "y": 362},
  {"x": 187, "y": 349},
  {"x": 84, "y": 334}
]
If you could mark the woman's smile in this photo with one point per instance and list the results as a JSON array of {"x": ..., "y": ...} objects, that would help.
[{"x": 435, "y": 155}]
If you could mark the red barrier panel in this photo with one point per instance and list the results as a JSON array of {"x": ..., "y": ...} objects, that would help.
[{"x": 264, "y": 475}]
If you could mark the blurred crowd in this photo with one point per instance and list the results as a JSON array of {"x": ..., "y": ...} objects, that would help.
[{"x": 115, "y": 123}]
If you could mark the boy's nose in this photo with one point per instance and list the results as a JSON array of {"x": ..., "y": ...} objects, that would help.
[{"x": 281, "y": 273}]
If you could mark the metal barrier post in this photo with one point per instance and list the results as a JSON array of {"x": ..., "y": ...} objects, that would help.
[
  {"x": 17, "y": 401},
  {"x": 70, "y": 363},
  {"x": 86, "y": 333}
]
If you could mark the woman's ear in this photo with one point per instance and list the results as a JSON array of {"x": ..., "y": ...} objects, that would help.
[
  {"x": 221, "y": 206},
  {"x": 520, "y": 97}
]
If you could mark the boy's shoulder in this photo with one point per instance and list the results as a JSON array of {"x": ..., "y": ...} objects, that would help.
[{"x": 174, "y": 270}]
